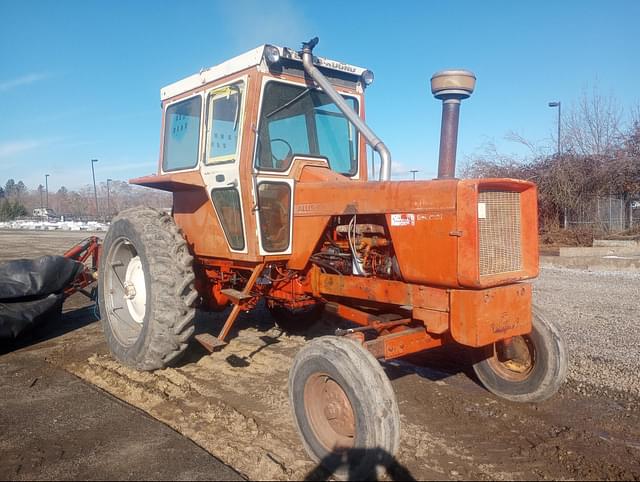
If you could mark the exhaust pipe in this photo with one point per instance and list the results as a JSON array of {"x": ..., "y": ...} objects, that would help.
[
  {"x": 450, "y": 86},
  {"x": 325, "y": 85}
]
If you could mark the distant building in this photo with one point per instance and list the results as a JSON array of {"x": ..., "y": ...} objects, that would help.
[{"x": 44, "y": 212}]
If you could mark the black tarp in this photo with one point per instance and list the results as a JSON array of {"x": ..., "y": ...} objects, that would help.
[
  {"x": 35, "y": 278},
  {"x": 19, "y": 318},
  {"x": 31, "y": 292}
]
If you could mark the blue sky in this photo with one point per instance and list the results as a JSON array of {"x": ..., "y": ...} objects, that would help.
[{"x": 81, "y": 79}]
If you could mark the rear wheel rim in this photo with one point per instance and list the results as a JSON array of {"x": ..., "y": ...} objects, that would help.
[
  {"x": 330, "y": 413},
  {"x": 518, "y": 368},
  {"x": 125, "y": 291}
]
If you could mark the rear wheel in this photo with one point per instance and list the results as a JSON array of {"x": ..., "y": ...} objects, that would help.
[
  {"x": 146, "y": 292},
  {"x": 344, "y": 407},
  {"x": 528, "y": 368}
]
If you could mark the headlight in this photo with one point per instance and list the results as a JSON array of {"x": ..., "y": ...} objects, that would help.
[
  {"x": 367, "y": 77},
  {"x": 271, "y": 54}
]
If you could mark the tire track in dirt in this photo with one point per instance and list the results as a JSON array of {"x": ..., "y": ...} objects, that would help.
[{"x": 218, "y": 405}]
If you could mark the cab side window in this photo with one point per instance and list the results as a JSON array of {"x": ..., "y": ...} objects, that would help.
[
  {"x": 182, "y": 135},
  {"x": 223, "y": 124}
]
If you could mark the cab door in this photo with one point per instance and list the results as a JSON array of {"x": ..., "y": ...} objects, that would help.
[{"x": 220, "y": 166}]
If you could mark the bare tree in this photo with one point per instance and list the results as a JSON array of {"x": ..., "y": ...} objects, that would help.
[
  {"x": 601, "y": 156},
  {"x": 592, "y": 127}
]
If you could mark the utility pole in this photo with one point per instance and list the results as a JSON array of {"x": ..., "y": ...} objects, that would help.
[
  {"x": 46, "y": 188},
  {"x": 108, "y": 204},
  {"x": 95, "y": 191},
  {"x": 558, "y": 104},
  {"x": 413, "y": 171}
]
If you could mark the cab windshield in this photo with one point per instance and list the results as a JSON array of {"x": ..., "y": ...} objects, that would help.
[{"x": 297, "y": 120}]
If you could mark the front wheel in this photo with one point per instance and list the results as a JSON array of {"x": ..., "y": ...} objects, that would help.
[
  {"x": 528, "y": 368},
  {"x": 344, "y": 408}
]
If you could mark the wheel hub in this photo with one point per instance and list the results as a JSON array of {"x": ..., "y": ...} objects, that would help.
[
  {"x": 513, "y": 359},
  {"x": 135, "y": 292},
  {"x": 330, "y": 412},
  {"x": 129, "y": 290},
  {"x": 338, "y": 410}
]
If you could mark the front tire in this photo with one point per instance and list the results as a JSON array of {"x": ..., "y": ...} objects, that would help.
[
  {"x": 146, "y": 290},
  {"x": 344, "y": 408},
  {"x": 535, "y": 374}
]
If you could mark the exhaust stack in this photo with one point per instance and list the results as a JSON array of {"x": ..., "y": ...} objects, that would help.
[
  {"x": 450, "y": 86},
  {"x": 364, "y": 129}
]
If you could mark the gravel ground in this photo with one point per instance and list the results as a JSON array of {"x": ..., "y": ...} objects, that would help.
[{"x": 598, "y": 312}]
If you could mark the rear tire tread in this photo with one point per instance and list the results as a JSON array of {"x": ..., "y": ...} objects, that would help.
[{"x": 172, "y": 283}]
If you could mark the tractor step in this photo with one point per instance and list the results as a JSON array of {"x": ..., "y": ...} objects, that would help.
[
  {"x": 236, "y": 297},
  {"x": 209, "y": 342}
]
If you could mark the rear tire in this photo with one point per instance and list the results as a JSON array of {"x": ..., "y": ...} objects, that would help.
[
  {"x": 534, "y": 377},
  {"x": 344, "y": 408},
  {"x": 146, "y": 290}
]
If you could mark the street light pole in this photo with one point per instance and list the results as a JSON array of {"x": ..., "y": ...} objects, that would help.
[
  {"x": 558, "y": 104},
  {"x": 46, "y": 188},
  {"x": 108, "y": 204},
  {"x": 95, "y": 191},
  {"x": 413, "y": 171}
]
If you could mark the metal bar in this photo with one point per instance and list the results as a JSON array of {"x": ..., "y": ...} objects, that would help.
[
  {"x": 238, "y": 307},
  {"x": 381, "y": 291},
  {"x": 375, "y": 326},
  {"x": 363, "y": 128},
  {"x": 229, "y": 323},
  {"x": 403, "y": 343}
]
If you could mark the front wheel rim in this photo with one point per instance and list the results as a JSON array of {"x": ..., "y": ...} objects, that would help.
[
  {"x": 330, "y": 413},
  {"x": 517, "y": 368}
]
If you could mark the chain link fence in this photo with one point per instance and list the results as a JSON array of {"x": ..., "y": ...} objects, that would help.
[{"x": 608, "y": 213}]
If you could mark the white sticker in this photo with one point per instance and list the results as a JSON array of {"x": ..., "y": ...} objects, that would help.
[
  {"x": 403, "y": 220},
  {"x": 482, "y": 210}
]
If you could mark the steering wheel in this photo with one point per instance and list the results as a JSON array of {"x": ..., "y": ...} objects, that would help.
[{"x": 277, "y": 161}]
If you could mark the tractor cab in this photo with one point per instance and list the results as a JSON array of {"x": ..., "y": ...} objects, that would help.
[{"x": 237, "y": 136}]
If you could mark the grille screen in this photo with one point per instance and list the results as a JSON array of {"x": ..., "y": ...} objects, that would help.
[{"x": 499, "y": 230}]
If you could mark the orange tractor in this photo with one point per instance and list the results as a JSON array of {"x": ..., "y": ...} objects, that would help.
[{"x": 266, "y": 157}]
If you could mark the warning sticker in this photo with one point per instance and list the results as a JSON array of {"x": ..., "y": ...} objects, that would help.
[
  {"x": 482, "y": 210},
  {"x": 403, "y": 220}
]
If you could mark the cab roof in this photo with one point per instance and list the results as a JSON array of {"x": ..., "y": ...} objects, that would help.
[{"x": 247, "y": 60}]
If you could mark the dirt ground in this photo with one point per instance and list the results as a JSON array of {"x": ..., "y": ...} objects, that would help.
[{"x": 234, "y": 403}]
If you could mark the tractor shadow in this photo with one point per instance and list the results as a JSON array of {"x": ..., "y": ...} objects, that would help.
[
  {"x": 381, "y": 466},
  {"x": 434, "y": 365},
  {"x": 212, "y": 323},
  {"x": 257, "y": 320}
]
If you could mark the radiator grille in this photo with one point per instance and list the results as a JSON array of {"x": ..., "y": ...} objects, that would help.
[{"x": 499, "y": 230}]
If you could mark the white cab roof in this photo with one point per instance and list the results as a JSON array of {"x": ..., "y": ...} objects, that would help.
[{"x": 244, "y": 61}]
